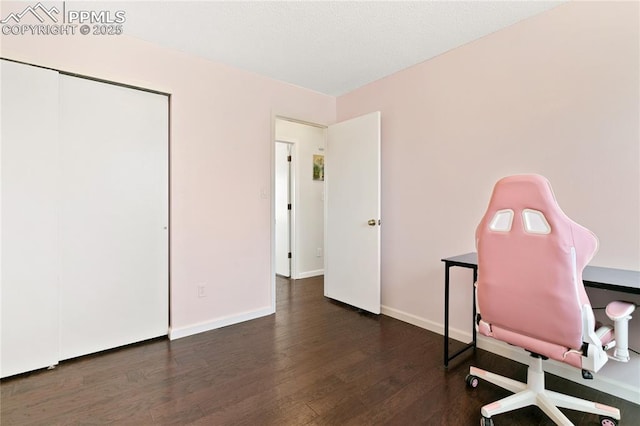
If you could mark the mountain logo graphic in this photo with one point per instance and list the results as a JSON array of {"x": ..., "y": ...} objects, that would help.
[{"x": 33, "y": 10}]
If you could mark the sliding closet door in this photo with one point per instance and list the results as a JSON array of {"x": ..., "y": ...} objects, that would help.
[
  {"x": 28, "y": 185},
  {"x": 113, "y": 216}
]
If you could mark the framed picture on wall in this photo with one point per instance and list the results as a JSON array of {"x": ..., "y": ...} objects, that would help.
[{"x": 318, "y": 167}]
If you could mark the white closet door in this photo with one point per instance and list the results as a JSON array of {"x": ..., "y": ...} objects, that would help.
[
  {"x": 29, "y": 181},
  {"x": 113, "y": 216}
]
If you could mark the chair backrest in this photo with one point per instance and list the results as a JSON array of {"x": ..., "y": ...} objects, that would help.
[{"x": 530, "y": 262}]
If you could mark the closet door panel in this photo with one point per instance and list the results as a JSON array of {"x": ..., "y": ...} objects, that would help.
[
  {"x": 113, "y": 216},
  {"x": 29, "y": 220}
]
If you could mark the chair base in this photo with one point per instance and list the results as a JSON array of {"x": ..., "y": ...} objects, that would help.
[{"x": 534, "y": 393}]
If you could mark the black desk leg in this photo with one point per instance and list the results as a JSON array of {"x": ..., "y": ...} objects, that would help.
[
  {"x": 475, "y": 280},
  {"x": 471, "y": 345},
  {"x": 446, "y": 314}
]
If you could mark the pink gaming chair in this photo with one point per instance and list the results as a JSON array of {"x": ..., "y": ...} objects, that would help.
[{"x": 530, "y": 294}]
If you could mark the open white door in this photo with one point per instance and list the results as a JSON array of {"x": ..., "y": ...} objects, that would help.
[
  {"x": 352, "y": 173},
  {"x": 283, "y": 209}
]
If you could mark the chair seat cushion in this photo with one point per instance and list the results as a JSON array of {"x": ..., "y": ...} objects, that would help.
[{"x": 531, "y": 344}]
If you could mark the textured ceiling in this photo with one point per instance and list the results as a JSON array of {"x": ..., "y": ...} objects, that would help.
[{"x": 329, "y": 47}]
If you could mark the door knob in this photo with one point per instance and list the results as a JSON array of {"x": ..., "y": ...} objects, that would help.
[{"x": 371, "y": 222}]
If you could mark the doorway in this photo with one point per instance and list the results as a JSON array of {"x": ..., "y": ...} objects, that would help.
[
  {"x": 298, "y": 202},
  {"x": 352, "y": 273}
]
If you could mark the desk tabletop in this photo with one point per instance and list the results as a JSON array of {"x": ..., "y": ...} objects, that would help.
[
  {"x": 468, "y": 259},
  {"x": 623, "y": 280}
]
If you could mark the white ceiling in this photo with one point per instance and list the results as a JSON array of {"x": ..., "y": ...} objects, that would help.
[{"x": 329, "y": 47}]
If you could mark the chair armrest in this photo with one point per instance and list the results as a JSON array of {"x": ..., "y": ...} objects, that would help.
[
  {"x": 617, "y": 310},
  {"x": 620, "y": 314}
]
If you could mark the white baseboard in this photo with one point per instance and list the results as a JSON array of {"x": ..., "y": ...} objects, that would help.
[
  {"x": 309, "y": 274},
  {"x": 612, "y": 378},
  {"x": 436, "y": 327},
  {"x": 177, "y": 333}
]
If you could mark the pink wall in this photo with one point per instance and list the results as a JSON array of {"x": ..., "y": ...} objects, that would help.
[
  {"x": 221, "y": 130},
  {"x": 556, "y": 94}
]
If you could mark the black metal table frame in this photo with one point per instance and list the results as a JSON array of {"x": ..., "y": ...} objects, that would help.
[
  {"x": 448, "y": 263},
  {"x": 621, "y": 280}
]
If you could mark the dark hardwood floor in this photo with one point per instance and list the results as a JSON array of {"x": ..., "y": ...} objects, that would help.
[{"x": 315, "y": 362}]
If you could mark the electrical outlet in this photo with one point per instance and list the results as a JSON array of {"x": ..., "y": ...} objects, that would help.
[
  {"x": 319, "y": 252},
  {"x": 201, "y": 291}
]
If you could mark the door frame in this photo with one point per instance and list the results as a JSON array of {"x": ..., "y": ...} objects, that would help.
[{"x": 272, "y": 151}]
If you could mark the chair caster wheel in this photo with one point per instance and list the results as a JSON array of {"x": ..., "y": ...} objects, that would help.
[
  {"x": 608, "y": 421},
  {"x": 472, "y": 381},
  {"x": 486, "y": 421}
]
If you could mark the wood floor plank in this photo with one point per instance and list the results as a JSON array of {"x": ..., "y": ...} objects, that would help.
[{"x": 314, "y": 362}]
